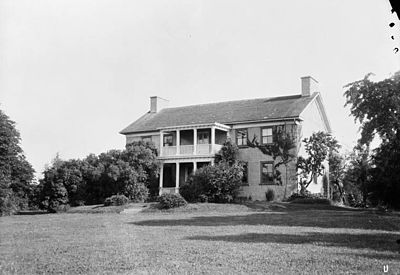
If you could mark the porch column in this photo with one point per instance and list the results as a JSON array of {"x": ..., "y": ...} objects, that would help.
[
  {"x": 178, "y": 142},
  {"x": 212, "y": 139},
  {"x": 161, "y": 178},
  {"x": 161, "y": 142},
  {"x": 177, "y": 178},
  {"x": 194, "y": 141},
  {"x": 194, "y": 166}
]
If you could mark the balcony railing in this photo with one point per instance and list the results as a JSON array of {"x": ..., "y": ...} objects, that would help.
[{"x": 201, "y": 149}]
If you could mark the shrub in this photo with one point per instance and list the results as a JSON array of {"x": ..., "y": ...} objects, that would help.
[
  {"x": 167, "y": 201},
  {"x": 219, "y": 183},
  {"x": 116, "y": 200},
  {"x": 270, "y": 195},
  {"x": 191, "y": 191},
  {"x": 137, "y": 192},
  {"x": 308, "y": 198}
]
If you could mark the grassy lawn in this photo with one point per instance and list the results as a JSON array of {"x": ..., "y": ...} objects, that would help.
[{"x": 259, "y": 238}]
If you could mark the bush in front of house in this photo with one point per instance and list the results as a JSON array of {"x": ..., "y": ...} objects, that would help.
[
  {"x": 137, "y": 192},
  {"x": 168, "y": 201},
  {"x": 219, "y": 183},
  {"x": 116, "y": 200},
  {"x": 270, "y": 195},
  {"x": 308, "y": 198}
]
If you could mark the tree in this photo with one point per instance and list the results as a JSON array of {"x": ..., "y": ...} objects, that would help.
[
  {"x": 357, "y": 176},
  {"x": 376, "y": 106},
  {"x": 228, "y": 153},
  {"x": 281, "y": 150},
  {"x": 317, "y": 147},
  {"x": 337, "y": 170},
  {"x": 127, "y": 172},
  {"x": 55, "y": 195},
  {"x": 219, "y": 182},
  {"x": 16, "y": 173},
  {"x": 214, "y": 183}
]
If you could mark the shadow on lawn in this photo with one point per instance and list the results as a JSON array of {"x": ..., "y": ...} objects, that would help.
[
  {"x": 377, "y": 242},
  {"x": 309, "y": 218}
]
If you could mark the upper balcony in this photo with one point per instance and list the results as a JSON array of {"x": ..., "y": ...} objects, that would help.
[{"x": 193, "y": 140}]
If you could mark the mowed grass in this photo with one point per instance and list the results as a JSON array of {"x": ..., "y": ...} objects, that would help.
[{"x": 206, "y": 238}]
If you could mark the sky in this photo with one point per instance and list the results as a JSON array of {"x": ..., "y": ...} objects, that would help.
[{"x": 73, "y": 73}]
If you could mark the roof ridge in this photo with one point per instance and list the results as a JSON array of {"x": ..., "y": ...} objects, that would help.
[{"x": 238, "y": 100}]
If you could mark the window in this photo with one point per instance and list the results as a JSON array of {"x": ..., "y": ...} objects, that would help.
[
  {"x": 267, "y": 173},
  {"x": 266, "y": 135},
  {"x": 203, "y": 138},
  {"x": 245, "y": 173},
  {"x": 241, "y": 137},
  {"x": 168, "y": 140},
  {"x": 146, "y": 139}
]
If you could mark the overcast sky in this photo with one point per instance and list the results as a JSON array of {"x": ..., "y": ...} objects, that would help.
[{"x": 74, "y": 73}]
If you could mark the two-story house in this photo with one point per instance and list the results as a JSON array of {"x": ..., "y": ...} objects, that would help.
[{"x": 188, "y": 137}]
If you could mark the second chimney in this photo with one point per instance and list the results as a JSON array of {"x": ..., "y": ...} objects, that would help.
[
  {"x": 308, "y": 85},
  {"x": 157, "y": 103}
]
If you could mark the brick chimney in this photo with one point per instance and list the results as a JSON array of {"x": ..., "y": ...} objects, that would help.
[
  {"x": 308, "y": 85},
  {"x": 157, "y": 103}
]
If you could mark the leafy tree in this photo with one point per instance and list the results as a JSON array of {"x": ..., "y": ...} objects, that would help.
[
  {"x": 317, "y": 147},
  {"x": 228, "y": 153},
  {"x": 282, "y": 150},
  {"x": 16, "y": 174},
  {"x": 337, "y": 170},
  {"x": 385, "y": 179},
  {"x": 357, "y": 176},
  {"x": 217, "y": 183},
  {"x": 376, "y": 106},
  {"x": 127, "y": 172},
  {"x": 55, "y": 195}
]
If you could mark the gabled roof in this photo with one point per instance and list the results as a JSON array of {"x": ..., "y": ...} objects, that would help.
[{"x": 229, "y": 112}]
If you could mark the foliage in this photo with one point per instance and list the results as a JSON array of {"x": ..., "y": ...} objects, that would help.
[
  {"x": 116, "y": 200},
  {"x": 384, "y": 181},
  {"x": 16, "y": 174},
  {"x": 337, "y": 171},
  {"x": 281, "y": 150},
  {"x": 376, "y": 106},
  {"x": 91, "y": 180},
  {"x": 270, "y": 195},
  {"x": 308, "y": 198},
  {"x": 317, "y": 147},
  {"x": 357, "y": 177},
  {"x": 228, "y": 153},
  {"x": 137, "y": 192},
  {"x": 54, "y": 194},
  {"x": 219, "y": 183},
  {"x": 8, "y": 204},
  {"x": 167, "y": 201}
]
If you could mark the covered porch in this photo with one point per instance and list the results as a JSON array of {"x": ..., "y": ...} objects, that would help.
[
  {"x": 201, "y": 139},
  {"x": 174, "y": 174}
]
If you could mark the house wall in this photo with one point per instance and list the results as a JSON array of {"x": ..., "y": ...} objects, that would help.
[
  {"x": 312, "y": 122},
  {"x": 253, "y": 156}
]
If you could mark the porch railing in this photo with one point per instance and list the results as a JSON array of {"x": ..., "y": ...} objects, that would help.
[
  {"x": 186, "y": 149},
  {"x": 169, "y": 150},
  {"x": 201, "y": 149}
]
